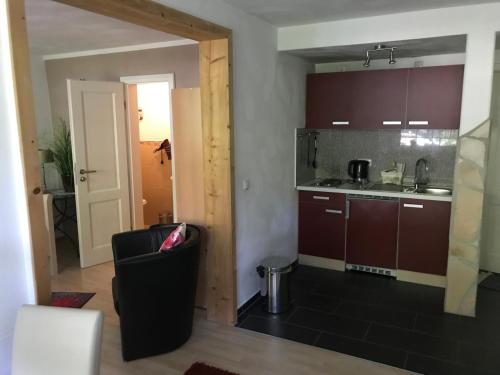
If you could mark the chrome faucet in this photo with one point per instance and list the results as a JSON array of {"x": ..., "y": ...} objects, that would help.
[{"x": 421, "y": 175}]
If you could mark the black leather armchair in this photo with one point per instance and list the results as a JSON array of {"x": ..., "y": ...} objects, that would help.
[{"x": 154, "y": 293}]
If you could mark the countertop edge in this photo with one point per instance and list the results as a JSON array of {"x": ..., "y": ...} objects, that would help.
[{"x": 379, "y": 193}]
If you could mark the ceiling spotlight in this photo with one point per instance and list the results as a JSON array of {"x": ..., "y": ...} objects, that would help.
[
  {"x": 391, "y": 57},
  {"x": 367, "y": 61},
  {"x": 380, "y": 48}
]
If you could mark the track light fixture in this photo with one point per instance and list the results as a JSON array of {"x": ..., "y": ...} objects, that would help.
[{"x": 379, "y": 48}]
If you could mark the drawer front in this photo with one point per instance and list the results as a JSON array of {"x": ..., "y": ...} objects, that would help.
[{"x": 330, "y": 200}]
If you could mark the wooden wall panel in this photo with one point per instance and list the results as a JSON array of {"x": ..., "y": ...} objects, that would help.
[
  {"x": 189, "y": 175},
  {"x": 29, "y": 149},
  {"x": 215, "y": 80}
]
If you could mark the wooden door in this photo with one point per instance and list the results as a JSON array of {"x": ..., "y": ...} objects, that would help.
[
  {"x": 380, "y": 99},
  {"x": 435, "y": 97},
  {"x": 330, "y": 100},
  {"x": 98, "y": 133},
  {"x": 424, "y": 230},
  {"x": 187, "y": 157},
  {"x": 372, "y": 232},
  {"x": 322, "y": 225}
]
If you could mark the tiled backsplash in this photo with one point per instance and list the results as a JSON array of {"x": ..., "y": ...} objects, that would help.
[{"x": 337, "y": 147}]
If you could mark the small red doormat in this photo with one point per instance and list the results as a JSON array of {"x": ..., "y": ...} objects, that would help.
[
  {"x": 202, "y": 369},
  {"x": 71, "y": 299}
]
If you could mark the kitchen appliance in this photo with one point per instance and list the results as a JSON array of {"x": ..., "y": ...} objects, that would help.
[
  {"x": 358, "y": 171},
  {"x": 372, "y": 234}
]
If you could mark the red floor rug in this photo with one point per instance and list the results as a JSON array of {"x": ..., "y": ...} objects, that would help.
[
  {"x": 202, "y": 369},
  {"x": 71, "y": 299}
]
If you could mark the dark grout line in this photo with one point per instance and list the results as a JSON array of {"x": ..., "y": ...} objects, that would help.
[
  {"x": 317, "y": 339},
  {"x": 366, "y": 333},
  {"x": 405, "y": 363}
]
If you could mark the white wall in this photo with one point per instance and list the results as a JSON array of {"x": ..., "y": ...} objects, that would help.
[
  {"x": 490, "y": 242},
  {"x": 41, "y": 102},
  {"x": 478, "y": 22},
  {"x": 269, "y": 102},
  {"x": 154, "y": 101},
  {"x": 16, "y": 281}
]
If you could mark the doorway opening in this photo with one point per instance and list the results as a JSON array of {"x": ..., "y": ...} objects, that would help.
[
  {"x": 151, "y": 149},
  {"x": 215, "y": 109}
]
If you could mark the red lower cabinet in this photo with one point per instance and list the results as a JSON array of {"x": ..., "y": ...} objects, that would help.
[
  {"x": 424, "y": 228},
  {"x": 322, "y": 227},
  {"x": 372, "y": 232}
]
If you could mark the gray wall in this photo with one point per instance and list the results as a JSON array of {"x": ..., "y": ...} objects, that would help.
[
  {"x": 182, "y": 61},
  {"x": 337, "y": 147},
  {"x": 269, "y": 103}
]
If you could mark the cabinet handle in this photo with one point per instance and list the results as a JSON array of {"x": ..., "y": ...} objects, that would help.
[
  {"x": 347, "y": 209},
  {"x": 321, "y": 198},
  {"x": 337, "y": 212},
  {"x": 407, "y": 205},
  {"x": 391, "y": 123},
  {"x": 340, "y": 122},
  {"x": 425, "y": 123}
]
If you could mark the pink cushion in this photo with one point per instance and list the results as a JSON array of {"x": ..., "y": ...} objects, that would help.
[{"x": 177, "y": 237}]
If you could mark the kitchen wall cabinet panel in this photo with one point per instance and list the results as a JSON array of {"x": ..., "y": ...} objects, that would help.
[
  {"x": 417, "y": 98},
  {"x": 424, "y": 228},
  {"x": 322, "y": 229},
  {"x": 380, "y": 99},
  {"x": 330, "y": 100},
  {"x": 372, "y": 232},
  {"x": 435, "y": 97}
]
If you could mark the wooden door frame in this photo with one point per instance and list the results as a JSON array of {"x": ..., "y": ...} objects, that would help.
[{"x": 215, "y": 83}]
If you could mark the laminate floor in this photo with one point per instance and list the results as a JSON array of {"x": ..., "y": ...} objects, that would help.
[
  {"x": 387, "y": 321},
  {"x": 234, "y": 349}
]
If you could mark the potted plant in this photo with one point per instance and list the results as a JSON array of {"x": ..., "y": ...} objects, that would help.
[{"x": 63, "y": 157}]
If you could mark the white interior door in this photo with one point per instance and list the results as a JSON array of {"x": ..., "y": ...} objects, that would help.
[{"x": 98, "y": 132}]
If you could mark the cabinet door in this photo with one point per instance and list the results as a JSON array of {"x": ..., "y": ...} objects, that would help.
[
  {"x": 380, "y": 98},
  {"x": 372, "y": 232},
  {"x": 330, "y": 100},
  {"x": 321, "y": 230},
  {"x": 424, "y": 228},
  {"x": 435, "y": 97}
]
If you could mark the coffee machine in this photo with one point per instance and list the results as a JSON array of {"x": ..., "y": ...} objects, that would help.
[{"x": 358, "y": 171}]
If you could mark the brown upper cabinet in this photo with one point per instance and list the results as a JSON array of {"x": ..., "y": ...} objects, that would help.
[
  {"x": 417, "y": 98},
  {"x": 435, "y": 97}
]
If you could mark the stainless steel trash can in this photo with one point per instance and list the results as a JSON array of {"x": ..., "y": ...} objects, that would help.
[{"x": 275, "y": 274}]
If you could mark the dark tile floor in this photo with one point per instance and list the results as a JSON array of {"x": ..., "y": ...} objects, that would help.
[{"x": 384, "y": 320}]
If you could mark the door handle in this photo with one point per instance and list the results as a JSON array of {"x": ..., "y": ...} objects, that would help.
[
  {"x": 423, "y": 123},
  {"x": 337, "y": 212},
  {"x": 83, "y": 171},
  {"x": 408, "y": 205},
  {"x": 321, "y": 197},
  {"x": 391, "y": 123}
]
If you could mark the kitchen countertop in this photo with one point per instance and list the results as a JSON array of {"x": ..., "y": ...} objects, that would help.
[{"x": 374, "y": 192}]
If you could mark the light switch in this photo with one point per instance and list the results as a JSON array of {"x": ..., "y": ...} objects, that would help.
[{"x": 246, "y": 184}]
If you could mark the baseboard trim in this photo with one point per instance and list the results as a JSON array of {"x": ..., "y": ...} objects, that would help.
[
  {"x": 422, "y": 278},
  {"x": 331, "y": 264},
  {"x": 247, "y": 305}
]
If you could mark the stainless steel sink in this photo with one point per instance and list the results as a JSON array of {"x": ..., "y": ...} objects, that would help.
[
  {"x": 429, "y": 190},
  {"x": 435, "y": 191}
]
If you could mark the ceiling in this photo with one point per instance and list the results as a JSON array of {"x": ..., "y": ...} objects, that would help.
[
  {"x": 55, "y": 28},
  {"x": 298, "y": 12},
  {"x": 405, "y": 48}
]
